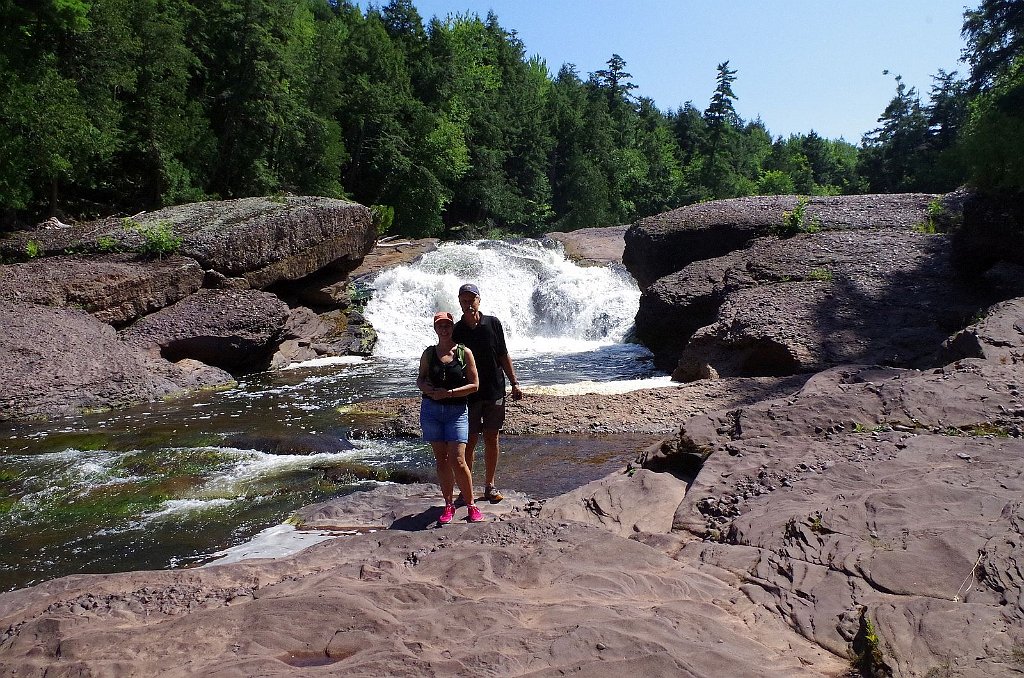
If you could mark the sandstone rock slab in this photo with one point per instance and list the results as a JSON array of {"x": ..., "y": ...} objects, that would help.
[
  {"x": 62, "y": 361},
  {"x": 664, "y": 243},
  {"x": 116, "y": 288},
  {"x": 537, "y": 597},
  {"x": 230, "y": 329}
]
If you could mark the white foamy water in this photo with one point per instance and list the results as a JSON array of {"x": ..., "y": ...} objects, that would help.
[
  {"x": 323, "y": 362},
  {"x": 547, "y": 304},
  {"x": 253, "y": 465},
  {"x": 173, "y": 507},
  {"x": 603, "y": 387}
]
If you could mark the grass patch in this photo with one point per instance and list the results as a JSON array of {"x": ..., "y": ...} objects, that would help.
[
  {"x": 982, "y": 430},
  {"x": 817, "y": 526},
  {"x": 821, "y": 274},
  {"x": 108, "y": 244},
  {"x": 939, "y": 219}
]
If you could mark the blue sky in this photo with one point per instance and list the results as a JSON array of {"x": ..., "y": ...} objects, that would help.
[{"x": 801, "y": 64}]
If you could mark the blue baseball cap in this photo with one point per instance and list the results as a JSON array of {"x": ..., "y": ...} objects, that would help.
[{"x": 470, "y": 288}]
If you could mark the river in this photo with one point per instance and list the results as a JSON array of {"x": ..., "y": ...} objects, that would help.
[{"x": 173, "y": 484}]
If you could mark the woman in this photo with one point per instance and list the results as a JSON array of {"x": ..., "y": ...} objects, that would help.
[{"x": 447, "y": 376}]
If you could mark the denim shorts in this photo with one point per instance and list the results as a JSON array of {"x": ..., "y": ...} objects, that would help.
[{"x": 444, "y": 422}]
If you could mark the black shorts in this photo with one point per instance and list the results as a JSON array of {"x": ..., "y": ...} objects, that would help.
[{"x": 486, "y": 415}]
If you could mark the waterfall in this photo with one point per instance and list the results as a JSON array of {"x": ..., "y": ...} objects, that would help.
[{"x": 547, "y": 304}]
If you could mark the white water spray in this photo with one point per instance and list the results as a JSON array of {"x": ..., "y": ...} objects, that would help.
[{"x": 547, "y": 304}]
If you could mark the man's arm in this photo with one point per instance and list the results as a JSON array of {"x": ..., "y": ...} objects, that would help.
[{"x": 506, "y": 366}]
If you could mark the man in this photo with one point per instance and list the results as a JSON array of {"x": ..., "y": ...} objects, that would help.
[{"x": 485, "y": 337}]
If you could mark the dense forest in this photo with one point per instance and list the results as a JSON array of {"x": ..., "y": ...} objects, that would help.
[{"x": 117, "y": 106}]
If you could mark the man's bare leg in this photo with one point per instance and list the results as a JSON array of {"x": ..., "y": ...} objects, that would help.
[
  {"x": 490, "y": 457},
  {"x": 470, "y": 450}
]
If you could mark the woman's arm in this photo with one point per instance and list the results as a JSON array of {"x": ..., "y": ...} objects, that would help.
[
  {"x": 422, "y": 383},
  {"x": 474, "y": 379}
]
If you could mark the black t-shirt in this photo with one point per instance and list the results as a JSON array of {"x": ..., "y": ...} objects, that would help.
[
  {"x": 446, "y": 375},
  {"x": 487, "y": 342}
]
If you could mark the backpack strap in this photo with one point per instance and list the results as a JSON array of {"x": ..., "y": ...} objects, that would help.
[{"x": 460, "y": 354}]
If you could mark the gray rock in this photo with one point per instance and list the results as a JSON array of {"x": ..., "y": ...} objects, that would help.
[
  {"x": 803, "y": 304},
  {"x": 230, "y": 329},
  {"x": 115, "y": 288},
  {"x": 598, "y": 246},
  {"x": 62, "y": 361},
  {"x": 263, "y": 240},
  {"x": 658, "y": 245}
]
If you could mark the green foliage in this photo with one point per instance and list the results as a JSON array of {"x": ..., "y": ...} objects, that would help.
[
  {"x": 995, "y": 38},
  {"x": 775, "y": 182},
  {"x": 795, "y": 221},
  {"x": 126, "y": 105},
  {"x": 383, "y": 218},
  {"x": 993, "y": 139},
  {"x": 938, "y": 219},
  {"x": 816, "y": 524},
  {"x": 868, "y": 658},
  {"x": 820, "y": 274},
  {"x": 158, "y": 240},
  {"x": 108, "y": 243},
  {"x": 33, "y": 249},
  {"x": 889, "y": 159}
]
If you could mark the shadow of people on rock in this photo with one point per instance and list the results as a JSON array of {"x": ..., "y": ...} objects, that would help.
[{"x": 419, "y": 521}]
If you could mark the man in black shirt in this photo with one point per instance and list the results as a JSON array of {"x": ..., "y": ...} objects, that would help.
[{"x": 485, "y": 337}]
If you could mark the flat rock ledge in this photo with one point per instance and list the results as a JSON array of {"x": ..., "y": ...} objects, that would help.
[
  {"x": 661, "y": 244},
  {"x": 651, "y": 411},
  {"x": 537, "y": 594}
]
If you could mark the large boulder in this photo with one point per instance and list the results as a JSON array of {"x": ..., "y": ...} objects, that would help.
[
  {"x": 230, "y": 329},
  {"x": 665, "y": 243},
  {"x": 63, "y": 361},
  {"x": 115, "y": 288},
  {"x": 803, "y": 304},
  {"x": 264, "y": 240},
  {"x": 187, "y": 319},
  {"x": 599, "y": 246},
  {"x": 997, "y": 336}
]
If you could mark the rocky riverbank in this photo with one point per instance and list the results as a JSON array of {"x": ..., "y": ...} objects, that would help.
[
  {"x": 110, "y": 313},
  {"x": 870, "y": 519},
  {"x": 834, "y": 517}
]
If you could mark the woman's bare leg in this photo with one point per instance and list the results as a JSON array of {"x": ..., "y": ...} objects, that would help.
[
  {"x": 460, "y": 469},
  {"x": 444, "y": 470}
]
